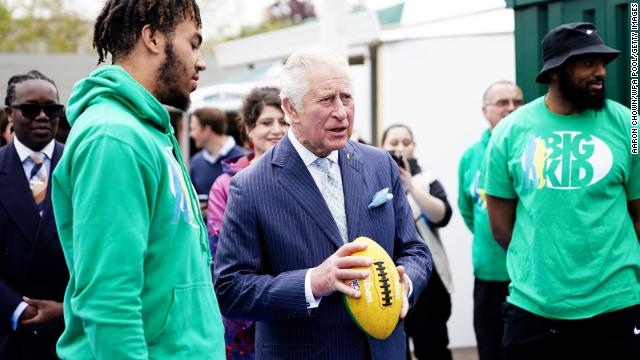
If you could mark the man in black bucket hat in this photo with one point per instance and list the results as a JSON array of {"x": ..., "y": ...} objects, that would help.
[
  {"x": 563, "y": 196},
  {"x": 570, "y": 40}
]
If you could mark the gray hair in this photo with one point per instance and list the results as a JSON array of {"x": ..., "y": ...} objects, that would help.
[
  {"x": 294, "y": 83},
  {"x": 485, "y": 96}
]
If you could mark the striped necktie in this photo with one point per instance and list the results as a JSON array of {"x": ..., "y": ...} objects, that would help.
[
  {"x": 331, "y": 190},
  {"x": 38, "y": 179}
]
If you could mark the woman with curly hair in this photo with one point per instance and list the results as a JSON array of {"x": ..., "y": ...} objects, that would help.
[{"x": 263, "y": 120}]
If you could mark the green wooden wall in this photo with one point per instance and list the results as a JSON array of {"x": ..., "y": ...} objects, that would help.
[{"x": 534, "y": 18}]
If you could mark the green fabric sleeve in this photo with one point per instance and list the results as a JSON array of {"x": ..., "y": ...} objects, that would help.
[
  {"x": 497, "y": 180},
  {"x": 110, "y": 202},
  {"x": 465, "y": 202},
  {"x": 633, "y": 181}
]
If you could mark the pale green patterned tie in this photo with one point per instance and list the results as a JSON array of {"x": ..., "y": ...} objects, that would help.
[{"x": 331, "y": 189}]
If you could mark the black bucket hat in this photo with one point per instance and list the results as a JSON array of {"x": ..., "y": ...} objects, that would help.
[{"x": 570, "y": 40}]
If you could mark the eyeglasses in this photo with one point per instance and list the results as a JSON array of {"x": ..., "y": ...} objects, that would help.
[
  {"x": 506, "y": 102},
  {"x": 32, "y": 111}
]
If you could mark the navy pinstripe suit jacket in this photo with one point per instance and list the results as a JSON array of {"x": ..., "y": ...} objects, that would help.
[{"x": 277, "y": 226}]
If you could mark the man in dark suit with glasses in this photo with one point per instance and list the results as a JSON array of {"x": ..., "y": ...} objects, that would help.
[{"x": 33, "y": 273}]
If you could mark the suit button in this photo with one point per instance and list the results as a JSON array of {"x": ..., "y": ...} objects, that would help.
[{"x": 286, "y": 315}]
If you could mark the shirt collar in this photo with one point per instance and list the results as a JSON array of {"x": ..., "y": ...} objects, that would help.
[
  {"x": 24, "y": 152},
  {"x": 485, "y": 136},
  {"x": 307, "y": 156},
  {"x": 226, "y": 148}
]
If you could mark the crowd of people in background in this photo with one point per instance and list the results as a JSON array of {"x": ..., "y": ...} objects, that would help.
[
  {"x": 245, "y": 253},
  {"x": 6, "y": 129}
]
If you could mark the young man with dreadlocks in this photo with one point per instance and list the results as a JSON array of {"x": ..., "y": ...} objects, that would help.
[{"x": 128, "y": 217}]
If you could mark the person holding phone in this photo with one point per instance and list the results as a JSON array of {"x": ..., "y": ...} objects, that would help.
[{"x": 426, "y": 323}]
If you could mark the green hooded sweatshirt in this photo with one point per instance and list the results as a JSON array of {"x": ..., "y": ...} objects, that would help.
[{"x": 131, "y": 230}]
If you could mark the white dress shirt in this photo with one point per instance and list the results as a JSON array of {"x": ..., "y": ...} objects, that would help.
[
  {"x": 308, "y": 158},
  {"x": 228, "y": 145},
  {"x": 24, "y": 153}
]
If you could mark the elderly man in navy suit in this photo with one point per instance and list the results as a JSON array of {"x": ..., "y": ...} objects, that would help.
[
  {"x": 33, "y": 273},
  {"x": 285, "y": 242}
]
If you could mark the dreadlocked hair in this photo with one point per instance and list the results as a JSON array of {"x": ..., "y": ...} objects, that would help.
[
  {"x": 120, "y": 22},
  {"x": 17, "y": 79}
]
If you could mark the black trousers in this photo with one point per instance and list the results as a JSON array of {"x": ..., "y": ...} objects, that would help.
[
  {"x": 426, "y": 322},
  {"x": 488, "y": 297},
  {"x": 613, "y": 335}
]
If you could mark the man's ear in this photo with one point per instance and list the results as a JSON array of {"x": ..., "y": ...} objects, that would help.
[
  {"x": 554, "y": 74},
  {"x": 485, "y": 110},
  {"x": 291, "y": 111},
  {"x": 151, "y": 39},
  {"x": 207, "y": 130}
]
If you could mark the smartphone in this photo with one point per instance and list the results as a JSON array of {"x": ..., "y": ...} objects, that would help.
[
  {"x": 413, "y": 167},
  {"x": 413, "y": 163},
  {"x": 398, "y": 159}
]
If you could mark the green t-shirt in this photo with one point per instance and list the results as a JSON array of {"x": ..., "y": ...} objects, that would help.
[
  {"x": 574, "y": 252},
  {"x": 489, "y": 259}
]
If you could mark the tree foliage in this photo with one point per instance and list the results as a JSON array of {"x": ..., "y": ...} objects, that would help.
[
  {"x": 281, "y": 14},
  {"x": 5, "y": 22},
  {"x": 52, "y": 26},
  {"x": 42, "y": 26}
]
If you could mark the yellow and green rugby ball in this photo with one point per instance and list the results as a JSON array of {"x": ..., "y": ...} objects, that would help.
[{"x": 377, "y": 309}]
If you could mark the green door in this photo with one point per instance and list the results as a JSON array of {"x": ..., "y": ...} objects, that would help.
[{"x": 534, "y": 18}]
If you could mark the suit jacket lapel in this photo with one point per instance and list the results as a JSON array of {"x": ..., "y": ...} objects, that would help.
[
  {"x": 352, "y": 185},
  {"x": 15, "y": 193},
  {"x": 293, "y": 175}
]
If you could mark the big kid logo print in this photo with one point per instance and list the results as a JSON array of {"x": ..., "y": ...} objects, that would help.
[
  {"x": 565, "y": 160},
  {"x": 478, "y": 194}
]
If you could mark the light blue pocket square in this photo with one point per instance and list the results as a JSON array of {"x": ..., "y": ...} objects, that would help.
[{"x": 380, "y": 198}]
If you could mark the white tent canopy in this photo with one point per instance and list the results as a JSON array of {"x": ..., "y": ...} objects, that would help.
[{"x": 228, "y": 96}]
